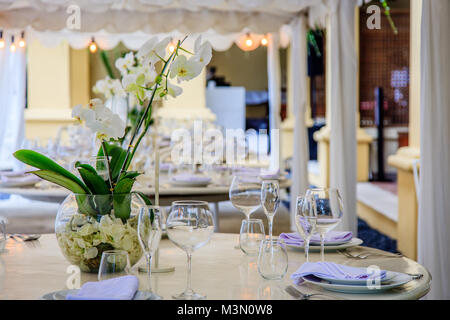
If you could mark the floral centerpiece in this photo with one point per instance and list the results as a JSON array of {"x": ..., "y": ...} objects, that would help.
[{"x": 101, "y": 212}]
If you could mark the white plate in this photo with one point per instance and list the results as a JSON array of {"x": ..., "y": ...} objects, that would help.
[
  {"x": 16, "y": 184},
  {"x": 358, "y": 282},
  {"x": 398, "y": 280},
  {"x": 61, "y": 295},
  {"x": 329, "y": 243},
  {"x": 190, "y": 183},
  {"x": 313, "y": 248}
]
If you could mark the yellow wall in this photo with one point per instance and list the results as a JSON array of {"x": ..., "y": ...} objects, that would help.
[{"x": 58, "y": 79}]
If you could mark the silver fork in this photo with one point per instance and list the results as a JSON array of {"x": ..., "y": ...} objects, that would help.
[
  {"x": 298, "y": 295},
  {"x": 365, "y": 255}
]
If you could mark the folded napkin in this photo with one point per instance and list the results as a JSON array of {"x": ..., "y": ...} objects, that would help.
[
  {"x": 185, "y": 177},
  {"x": 334, "y": 271},
  {"x": 294, "y": 239},
  {"x": 270, "y": 174},
  {"x": 121, "y": 288}
]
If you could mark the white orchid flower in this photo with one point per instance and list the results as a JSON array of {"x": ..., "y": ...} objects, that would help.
[
  {"x": 173, "y": 90},
  {"x": 100, "y": 119},
  {"x": 126, "y": 63},
  {"x": 202, "y": 51},
  {"x": 185, "y": 69},
  {"x": 153, "y": 50}
]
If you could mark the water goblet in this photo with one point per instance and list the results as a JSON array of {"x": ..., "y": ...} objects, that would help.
[
  {"x": 251, "y": 235},
  {"x": 190, "y": 226},
  {"x": 328, "y": 208},
  {"x": 245, "y": 193},
  {"x": 149, "y": 235}
]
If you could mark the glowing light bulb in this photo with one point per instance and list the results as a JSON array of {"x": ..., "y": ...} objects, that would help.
[
  {"x": 22, "y": 43},
  {"x": 171, "y": 48},
  {"x": 264, "y": 41},
  {"x": 93, "y": 46},
  {"x": 249, "y": 42},
  {"x": 12, "y": 48},
  {"x": 2, "y": 43}
]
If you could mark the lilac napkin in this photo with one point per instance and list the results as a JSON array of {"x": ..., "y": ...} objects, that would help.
[
  {"x": 12, "y": 173},
  {"x": 294, "y": 239},
  {"x": 270, "y": 174},
  {"x": 121, "y": 288},
  {"x": 334, "y": 271},
  {"x": 185, "y": 177}
]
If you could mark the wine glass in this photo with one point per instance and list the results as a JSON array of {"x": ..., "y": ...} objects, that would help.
[
  {"x": 305, "y": 221},
  {"x": 114, "y": 263},
  {"x": 190, "y": 226},
  {"x": 245, "y": 193},
  {"x": 101, "y": 165},
  {"x": 327, "y": 206},
  {"x": 270, "y": 200},
  {"x": 149, "y": 235}
]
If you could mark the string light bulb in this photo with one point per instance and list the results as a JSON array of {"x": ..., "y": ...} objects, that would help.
[
  {"x": 2, "y": 41},
  {"x": 264, "y": 41},
  {"x": 12, "y": 47},
  {"x": 248, "y": 42},
  {"x": 22, "y": 42},
  {"x": 171, "y": 47},
  {"x": 93, "y": 46}
]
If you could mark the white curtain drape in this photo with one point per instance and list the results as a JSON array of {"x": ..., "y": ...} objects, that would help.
[
  {"x": 343, "y": 107},
  {"x": 297, "y": 92},
  {"x": 12, "y": 102},
  {"x": 434, "y": 204},
  {"x": 274, "y": 86}
]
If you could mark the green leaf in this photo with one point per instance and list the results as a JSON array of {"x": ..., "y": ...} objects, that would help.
[
  {"x": 117, "y": 157},
  {"x": 146, "y": 199},
  {"x": 78, "y": 164},
  {"x": 37, "y": 160},
  {"x": 60, "y": 180},
  {"x": 130, "y": 175},
  {"x": 122, "y": 198},
  {"x": 94, "y": 182}
]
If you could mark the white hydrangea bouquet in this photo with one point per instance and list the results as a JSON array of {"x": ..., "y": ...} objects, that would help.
[{"x": 101, "y": 212}]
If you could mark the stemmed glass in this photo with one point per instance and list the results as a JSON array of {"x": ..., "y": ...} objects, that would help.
[
  {"x": 190, "y": 226},
  {"x": 270, "y": 200},
  {"x": 245, "y": 193},
  {"x": 149, "y": 235},
  {"x": 305, "y": 221},
  {"x": 327, "y": 205}
]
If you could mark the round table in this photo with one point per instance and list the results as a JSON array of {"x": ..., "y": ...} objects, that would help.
[{"x": 29, "y": 270}]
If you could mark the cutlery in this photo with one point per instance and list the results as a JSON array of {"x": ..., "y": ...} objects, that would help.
[
  {"x": 365, "y": 255},
  {"x": 298, "y": 295},
  {"x": 26, "y": 237},
  {"x": 415, "y": 276}
]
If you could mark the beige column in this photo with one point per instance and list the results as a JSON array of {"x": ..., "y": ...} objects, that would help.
[
  {"x": 405, "y": 157},
  {"x": 58, "y": 79},
  {"x": 323, "y": 135}
]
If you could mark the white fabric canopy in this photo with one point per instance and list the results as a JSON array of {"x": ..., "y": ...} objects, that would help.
[
  {"x": 12, "y": 102},
  {"x": 297, "y": 89},
  {"x": 343, "y": 107},
  {"x": 434, "y": 205}
]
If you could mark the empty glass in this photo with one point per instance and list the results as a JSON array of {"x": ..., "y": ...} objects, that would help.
[
  {"x": 149, "y": 235},
  {"x": 272, "y": 259},
  {"x": 251, "y": 235},
  {"x": 245, "y": 193},
  {"x": 114, "y": 263},
  {"x": 270, "y": 200},
  {"x": 328, "y": 207},
  {"x": 190, "y": 226},
  {"x": 305, "y": 221},
  {"x": 100, "y": 164}
]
